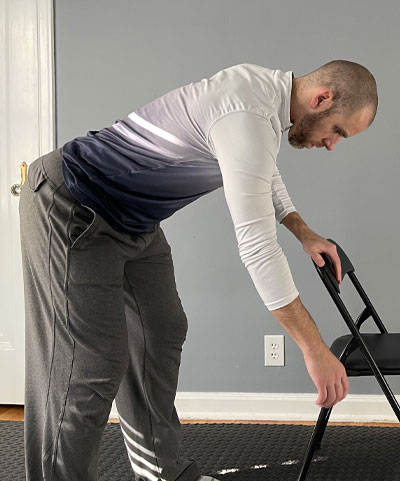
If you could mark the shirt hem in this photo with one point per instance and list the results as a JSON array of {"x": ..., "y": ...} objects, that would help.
[{"x": 282, "y": 302}]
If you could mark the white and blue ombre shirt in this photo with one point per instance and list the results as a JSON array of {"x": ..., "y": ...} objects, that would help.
[{"x": 223, "y": 131}]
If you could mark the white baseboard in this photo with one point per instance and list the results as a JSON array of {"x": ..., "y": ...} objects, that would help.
[{"x": 278, "y": 407}]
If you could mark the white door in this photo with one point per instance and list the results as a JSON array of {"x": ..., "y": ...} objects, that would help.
[{"x": 27, "y": 130}]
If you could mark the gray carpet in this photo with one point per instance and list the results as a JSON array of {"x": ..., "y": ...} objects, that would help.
[{"x": 245, "y": 452}]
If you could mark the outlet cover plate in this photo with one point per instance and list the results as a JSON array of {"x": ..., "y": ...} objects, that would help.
[{"x": 274, "y": 350}]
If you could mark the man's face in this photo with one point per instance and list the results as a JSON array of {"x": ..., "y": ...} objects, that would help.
[{"x": 323, "y": 129}]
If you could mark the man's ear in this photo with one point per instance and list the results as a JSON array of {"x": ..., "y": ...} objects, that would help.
[{"x": 321, "y": 100}]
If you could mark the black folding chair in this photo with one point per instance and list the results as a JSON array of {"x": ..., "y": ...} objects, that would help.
[{"x": 361, "y": 354}]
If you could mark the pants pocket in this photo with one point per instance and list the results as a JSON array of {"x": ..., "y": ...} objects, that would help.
[
  {"x": 83, "y": 222},
  {"x": 36, "y": 175}
]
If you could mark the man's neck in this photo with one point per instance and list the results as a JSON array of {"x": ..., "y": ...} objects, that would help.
[{"x": 295, "y": 100}]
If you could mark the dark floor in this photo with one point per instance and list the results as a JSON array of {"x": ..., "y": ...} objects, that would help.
[{"x": 245, "y": 452}]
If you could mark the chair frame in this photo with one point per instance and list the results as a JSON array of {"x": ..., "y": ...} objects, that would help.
[{"x": 328, "y": 277}]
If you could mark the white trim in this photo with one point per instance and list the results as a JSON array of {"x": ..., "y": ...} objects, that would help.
[
  {"x": 27, "y": 131},
  {"x": 46, "y": 76},
  {"x": 278, "y": 407}
]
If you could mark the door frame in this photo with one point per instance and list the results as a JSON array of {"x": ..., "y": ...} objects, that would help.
[
  {"x": 47, "y": 76},
  {"x": 27, "y": 131}
]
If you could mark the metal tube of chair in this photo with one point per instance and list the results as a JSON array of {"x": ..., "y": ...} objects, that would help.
[
  {"x": 323, "y": 427},
  {"x": 367, "y": 302},
  {"x": 312, "y": 443},
  {"x": 364, "y": 348},
  {"x": 327, "y": 275}
]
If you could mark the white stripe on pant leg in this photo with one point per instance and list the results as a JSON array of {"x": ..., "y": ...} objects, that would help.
[
  {"x": 137, "y": 433},
  {"x": 137, "y": 445},
  {"x": 142, "y": 472},
  {"x": 144, "y": 461}
]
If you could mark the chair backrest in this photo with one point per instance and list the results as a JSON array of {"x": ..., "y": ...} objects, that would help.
[
  {"x": 347, "y": 266},
  {"x": 327, "y": 274}
]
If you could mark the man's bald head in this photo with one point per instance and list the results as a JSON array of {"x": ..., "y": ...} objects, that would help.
[
  {"x": 353, "y": 86},
  {"x": 338, "y": 100}
]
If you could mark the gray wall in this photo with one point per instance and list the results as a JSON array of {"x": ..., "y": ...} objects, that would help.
[{"x": 113, "y": 57}]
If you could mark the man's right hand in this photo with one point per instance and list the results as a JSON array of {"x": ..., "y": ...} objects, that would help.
[
  {"x": 329, "y": 376},
  {"x": 326, "y": 371}
]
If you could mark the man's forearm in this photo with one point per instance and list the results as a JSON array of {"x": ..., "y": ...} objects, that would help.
[
  {"x": 297, "y": 321},
  {"x": 294, "y": 317},
  {"x": 296, "y": 225}
]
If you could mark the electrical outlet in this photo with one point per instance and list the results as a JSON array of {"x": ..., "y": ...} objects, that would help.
[{"x": 274, "y": 350}]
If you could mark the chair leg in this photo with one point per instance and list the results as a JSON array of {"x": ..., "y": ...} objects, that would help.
[
  {"x": 315, "y": 438},
  {"x": 321, "y": 432},
  {"x": 391, "y": 398}
]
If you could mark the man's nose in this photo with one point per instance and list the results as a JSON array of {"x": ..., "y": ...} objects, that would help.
[{"x": 330, "y": 144}]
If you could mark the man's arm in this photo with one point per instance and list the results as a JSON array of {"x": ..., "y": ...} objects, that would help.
[
  {"x": 296, "y": 225},
  {"x": 300, "y": 325},
  {"x": 282, "y": 202},
  {"x": 326, "y": 371},
  {"x": 286, "y": 214},
  {"x": 312, "y": 243},
  {"x": 245, "y": 146}
]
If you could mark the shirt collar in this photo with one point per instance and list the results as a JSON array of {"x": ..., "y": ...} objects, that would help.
[{"x": 284, "y": 87}]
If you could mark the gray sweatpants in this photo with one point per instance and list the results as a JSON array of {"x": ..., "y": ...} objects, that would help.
[{"x": 103, "y": 321}]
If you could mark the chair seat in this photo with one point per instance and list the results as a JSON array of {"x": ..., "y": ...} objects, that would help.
[{"x": 384, "y": 348}]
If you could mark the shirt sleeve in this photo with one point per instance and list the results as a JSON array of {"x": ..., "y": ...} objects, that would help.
[
  {"x": 245, "y": 147},
  {"x": 282, "y": 202}
]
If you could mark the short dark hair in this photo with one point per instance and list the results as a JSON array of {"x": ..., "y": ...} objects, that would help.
[{"x": 353, "y": 86}]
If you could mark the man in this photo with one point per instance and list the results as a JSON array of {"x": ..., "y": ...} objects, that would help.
[{"x": 103, "y": 317}]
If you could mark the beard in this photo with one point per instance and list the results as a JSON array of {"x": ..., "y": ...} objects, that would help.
[{"x": 301, "y": 135}]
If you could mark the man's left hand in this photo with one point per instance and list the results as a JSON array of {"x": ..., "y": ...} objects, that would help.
[{"x": 314, "y": 245}]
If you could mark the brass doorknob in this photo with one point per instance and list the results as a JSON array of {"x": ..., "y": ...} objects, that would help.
[{"x": 16, "y": 188}]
